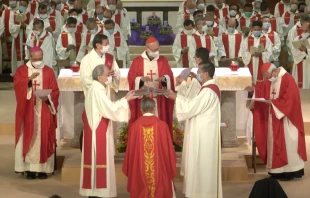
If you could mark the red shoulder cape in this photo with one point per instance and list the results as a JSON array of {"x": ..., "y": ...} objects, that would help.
[
  {"x": 150, "y": 156},
  {"x": 25, "y": 112},
  {"x": 165, "y": 106},
  {"x": 289, "y": 104}
]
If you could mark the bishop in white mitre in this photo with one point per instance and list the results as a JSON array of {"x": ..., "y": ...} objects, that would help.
[{"x": 201, "y": 156}]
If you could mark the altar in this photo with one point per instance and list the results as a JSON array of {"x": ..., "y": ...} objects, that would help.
[{"x": 229, "y": 83}]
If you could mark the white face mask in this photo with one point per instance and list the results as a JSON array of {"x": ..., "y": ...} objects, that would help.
[
  {"x": 43, "y": 16},
  {"x": 38, "y": 64},
  {"x": 294, "y": 7},
  {"x": 305, "y": 35},
  {"x": 74, "y": 16},
  {"x": 105, "y": 49},
  {"x": 209, "y": 23},
  {"x": 232, "y": 13},
  {"x": 109, "y": 80},
  {"x": 37, "y": 33},
  {"x": 71, "y": 30},
  {"x": 111, "y": 7},
  {"x": 153, "y": 54},
  {"x": 189, "y": 32},
  {"x": 272, "y": 79},
  {"x": 231, "y": 30}
]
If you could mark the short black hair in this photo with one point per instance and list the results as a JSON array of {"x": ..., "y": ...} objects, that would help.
[
  {"x": 264, "y": 6},
  {"x": 257, "y": 23},
  {"x": 248, "y": 5},
  {"x": 197, "y": 12},
  {"x": 72, "y": 10},
  {"x": 109, "y": 22},
  {"x": 301, "y": 4},
  {"x": 39, "y": 22},
  {"x": 202, "y": 53},
  {"x": 71, "y": 20},
  {"x": 98, "y": 39},
  {"x": 188, "y": 22},
  {"x": 53, "y": 4},
  {"x": 42, "y": 7},
  {"x": 210, "y": 8},
  {"x": 27, "y": 1},
  {"x": 207, "y": 66},
  {"x": 233, "y": 4}
]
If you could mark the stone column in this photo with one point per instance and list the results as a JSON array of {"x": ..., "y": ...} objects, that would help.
[{"x": 228, "y": 116}]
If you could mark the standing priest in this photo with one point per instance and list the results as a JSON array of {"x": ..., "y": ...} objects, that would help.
[
  {"x": 278, "y": 123},
  {"x": 201, "y": 157},
  {"x": 97, "y": 164},
  {"x": 35, "y": 117},
  {"x": 152, "y": 70}
]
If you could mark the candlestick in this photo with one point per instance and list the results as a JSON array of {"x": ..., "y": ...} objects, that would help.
[
  {"x": 147, "y": 28},
  {"x": 133, "y": 20}
]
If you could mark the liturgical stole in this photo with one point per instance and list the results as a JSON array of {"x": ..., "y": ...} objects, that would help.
[
  {"x": 52, "y": 20},
  {"x": 184, "y": 44},
  {"x": 79, "y": 27},
  {"x": 109, "y": 60},
  {"x": 238, "y": 39},
  {"x": 199, "y": 44},
  {"x": 262, "y": 41},
  {"x": 243, "y": 21},
  {"x": 65, "y": 41},
  {"x": 300, "y": 80},
  {"x": 117, "y": 39},
  {"x": 35, "y": 40},
  {"x": 217, "y": 12},
  {"x": 88, "y": 36},
  {"x": 271, "y": 37},
  {"x": 273, "y": 22},
  {"x": 33, "y": 7},
  {"x": 281, "y": 8},
  {"x": 7, "y": 16},
  {"x": 214, "y": 88},
  {"x": 118, "y": 19},
  {"x": 17, "y": 39},
  {"x": 287, "y": 18}
]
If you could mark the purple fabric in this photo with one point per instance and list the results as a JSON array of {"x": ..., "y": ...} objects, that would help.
[
  {"x": 167, "y": 39},
  {"x": 135, "y": 38}
]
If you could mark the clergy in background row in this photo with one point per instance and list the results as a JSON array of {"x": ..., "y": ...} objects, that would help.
[
  {"x": 247, "y": 18},
  {"x": 118, "y": 46},
  {"x": 187, "y": 15},
  {"x": 97, "y": 163},
  {"x": 290, "y": 17},
  {"x": 201, "y": 39},
  {"x": 201, "y": 156},
  {"x": 281, "y": 7},
  {"x": 221, "y": 9},
  {"x": 35, "y": 117},
  {"x": 278, "y": 124},
  {"x": 181, "y": 42},
  {"x": 151, "y": 70},
  {"x": 301, "y": 70},
  {"x": 82, "y": 14},
  {"x": 92, "y": 4},
  {"x": 150, "y": 159},
  {"x": 43, "y": 39},
  {"x": 80, "y": 27},
  {"x": 232, "y": 39},
  {"x": 18, "y": 34},
  {"x": 254, "y": 60}
]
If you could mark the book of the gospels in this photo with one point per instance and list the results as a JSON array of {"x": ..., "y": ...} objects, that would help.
[
  {"x": 302, "y": 42},
  {"x": 259, "y": 49},
  {"x": 151, "y": 92}
]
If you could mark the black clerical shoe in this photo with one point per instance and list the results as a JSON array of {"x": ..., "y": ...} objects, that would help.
[
  {"x": 31, "y": 175},
  {"x": 287, "y": 178},
  {"x": 42, "y": 176}
]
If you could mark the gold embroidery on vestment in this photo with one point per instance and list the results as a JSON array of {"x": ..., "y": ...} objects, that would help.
[{"x": 148, "y": 140}]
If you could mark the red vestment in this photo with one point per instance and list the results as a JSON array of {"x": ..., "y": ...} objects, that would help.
[
  {"x": 164, "y": 105},
  {"x": 289, "y": 104},
  {"x": 25, "y": 112},
  {"x": 150, "y": 160}
]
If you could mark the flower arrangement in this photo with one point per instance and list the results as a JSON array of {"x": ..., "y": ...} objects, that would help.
[
  {"x": 165, "y": 29},
  {"x": 153, "y": 20},
  {"x": 122, "y": 138},
  {"x": 178, "y": 136},
  {"x": 134, "y": 25},
  {"x": 146, "y": 34}
]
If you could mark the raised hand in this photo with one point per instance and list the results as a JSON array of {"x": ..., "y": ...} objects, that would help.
[
  {"x": 146, "y": 79},
  {"x": 33, "y": 76},
  {"x": 130, "y": 96}
]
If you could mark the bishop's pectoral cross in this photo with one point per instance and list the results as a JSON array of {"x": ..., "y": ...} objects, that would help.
[{"x": 273, "y": 93}]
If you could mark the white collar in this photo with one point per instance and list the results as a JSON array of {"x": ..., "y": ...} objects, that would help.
[
  {"x": 144, "y": 56},
  {"x": 212, "y": 81},
  {"x": 97, "y": 84},
  {"x": 148, "y": 114}
]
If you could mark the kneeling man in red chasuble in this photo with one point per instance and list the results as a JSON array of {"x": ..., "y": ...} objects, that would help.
[
  {"x": 150, "y": 160},
  {"x": 278, "y": 123}
]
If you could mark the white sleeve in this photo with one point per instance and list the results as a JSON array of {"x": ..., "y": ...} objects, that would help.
[
  {"x": 61, "y": 51},
  {"x": 191, "y": 52},
  {"x": 177, "y": 49},
  {"x": 14, "y": 29},
  {"x": 267, "y": 55}
]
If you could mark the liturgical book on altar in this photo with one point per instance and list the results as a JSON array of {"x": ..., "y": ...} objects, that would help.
[{"x": 151, "y": 91}]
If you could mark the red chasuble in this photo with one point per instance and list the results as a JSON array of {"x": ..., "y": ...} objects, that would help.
[
  {"x": 164, "y": 105},
  {"x": 150, "y": 160},
  {"x": 289, "y": 104},
  {"x": 25, "y": 112},
  {"x": 101, "y": 157}
]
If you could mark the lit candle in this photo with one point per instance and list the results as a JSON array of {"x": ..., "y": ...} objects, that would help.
[
  {"x": 165, "y": 23},
  {"x": 147, "y": 28},
  {"x": 133, "y": 20}
]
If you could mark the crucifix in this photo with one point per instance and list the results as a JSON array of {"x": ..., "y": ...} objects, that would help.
[
  {"x": 151, "y": 74},
  {"x": 273, "y": 93},
  {"x": 35, "y": 85}
]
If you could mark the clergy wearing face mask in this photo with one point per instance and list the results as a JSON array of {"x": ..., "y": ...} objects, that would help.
[
  {"x": 221, "y": 9},
  {"x": 181, "y": 44},
  {"x": 201, "y": 162},
  {"x": 98, "y": 116},
  {"x": 53, "y": 21},
  {"x": 275, "y": 23},
  {"x": 118, "y": 46},
  {"x": 198, "y": 14},
  {"x": 254, "y": 61},
  {"x": 18, "y": 34},
  {"x": 290, "y": 17},
  {"x": 80, "y": 27},
  {"x": 281, "y": 7},
  {"x": 43, "y": 39},
  {"x": 211, "y": 12},
  {"x": 92, "y": 4},
  {"x": 232, "y": 39},
  {"x": 152, "y": 70},
  {"x": 36, "y": 121},
  {"x": 247, "y": 17},
  {"x": 82, "y": 14},
  {"x": 69, "y": 42},
  {"x": 201, "y": 5},
  {"x": 201, "y": 39},
  {"x": 187, "y": 15},
  {"x": 282, "y": 124},
  {"x": 274, "y": 38},
  {"x": 60, "y": 6},
  {"x": 233, "y": 13},
  {"x": 301, "y": 70}
]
